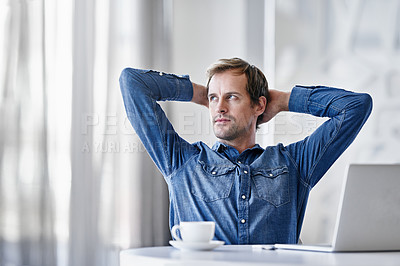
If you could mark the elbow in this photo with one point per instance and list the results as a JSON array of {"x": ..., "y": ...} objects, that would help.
[
  {"x": 360, "y": 109},
  {"x": 366, "y": 103},
  {"x": 131, "y": 85},
  {"x": 125, "y": 78},
  {"x": 131, "y": 81}
]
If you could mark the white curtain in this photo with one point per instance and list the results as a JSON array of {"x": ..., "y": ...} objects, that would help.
[
  {"x": 26, "y": 197},
  {"x": 76, "y": 185}
]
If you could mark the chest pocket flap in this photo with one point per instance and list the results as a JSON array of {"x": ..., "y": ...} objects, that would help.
[
  {"x": 212, "y": 182},
  {"x": 272, "y": 185}
]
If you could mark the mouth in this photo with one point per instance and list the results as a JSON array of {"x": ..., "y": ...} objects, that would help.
[{"x": 221, "y": 120}]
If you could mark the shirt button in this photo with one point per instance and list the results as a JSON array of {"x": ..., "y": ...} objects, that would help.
[
  {"x": 243, "y": 196},
  {"x": 160, "y": 73},
  {"x": 214, "y": 173},
  {"x": 245, "y": 172},
  {"x": 243, "y": 221},
  {"x": 270, "y": 174},
  {"x": 239, "y": 162}
]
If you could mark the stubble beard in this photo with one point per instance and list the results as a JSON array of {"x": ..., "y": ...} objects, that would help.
[{"x": 232, "y": 132}]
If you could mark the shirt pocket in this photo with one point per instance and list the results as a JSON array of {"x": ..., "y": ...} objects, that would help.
[
  {"x": 212, "y": 182},
  {"x": 272, "y": 185}
]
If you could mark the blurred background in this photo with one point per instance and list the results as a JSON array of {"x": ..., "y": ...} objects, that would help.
[{"x": 76, "y": 185}]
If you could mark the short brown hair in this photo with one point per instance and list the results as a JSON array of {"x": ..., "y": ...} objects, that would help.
[{"x": 257, "y": 84}]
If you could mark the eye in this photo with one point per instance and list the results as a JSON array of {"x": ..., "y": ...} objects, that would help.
[
  {"x": 231, "y": 97},
  {"x": 212, "y": 98}
]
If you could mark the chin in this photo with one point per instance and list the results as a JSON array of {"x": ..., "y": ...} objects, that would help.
[{"x": 225, "y": 137}]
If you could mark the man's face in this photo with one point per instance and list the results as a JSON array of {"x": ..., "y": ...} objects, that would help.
[{"x": 232, "y": 112}]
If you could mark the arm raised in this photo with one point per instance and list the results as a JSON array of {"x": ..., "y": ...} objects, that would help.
[
  {"x": 279, "y": 101},
  {"x": 200, "y": 94}
]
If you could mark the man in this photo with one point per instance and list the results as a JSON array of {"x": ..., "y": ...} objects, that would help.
[{"x": 254, "y": 195}]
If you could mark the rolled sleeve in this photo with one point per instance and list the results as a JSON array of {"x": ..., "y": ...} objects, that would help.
[
  {"x": 159, "y": 86},
  {"x": 185, "y": 91},
  {"x": 299, "y": 98}
]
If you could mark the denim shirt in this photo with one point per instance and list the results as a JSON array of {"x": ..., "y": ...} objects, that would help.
[{"x": 260, "y": 195}]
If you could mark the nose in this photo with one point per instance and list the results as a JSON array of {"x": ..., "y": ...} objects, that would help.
[{"x": 221, "y": 107}]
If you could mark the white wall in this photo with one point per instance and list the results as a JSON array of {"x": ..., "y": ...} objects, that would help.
[
  {"x": 203, "y": 32},
  {"x": 349, "y": 44}
]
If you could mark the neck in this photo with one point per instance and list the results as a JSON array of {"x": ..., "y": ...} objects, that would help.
[{"x": 240, "y": 144}]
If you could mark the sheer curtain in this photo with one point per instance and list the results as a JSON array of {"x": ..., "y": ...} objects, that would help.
[
  {"x": 76, "y": 185},
  {"x": 26, "y": 195}
]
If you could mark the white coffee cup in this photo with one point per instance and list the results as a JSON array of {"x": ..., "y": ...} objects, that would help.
[{"x": 194, "y": 231}]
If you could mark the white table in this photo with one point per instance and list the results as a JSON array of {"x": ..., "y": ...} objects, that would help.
[{"x": 247, "y": 256}]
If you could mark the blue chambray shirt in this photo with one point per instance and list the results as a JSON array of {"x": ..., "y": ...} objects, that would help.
[{"x": 260, "y": 195}]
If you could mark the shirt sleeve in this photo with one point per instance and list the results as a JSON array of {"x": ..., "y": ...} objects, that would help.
[
  {"x": 141, "y": 89},
  {"x": 348, "y": 111}
]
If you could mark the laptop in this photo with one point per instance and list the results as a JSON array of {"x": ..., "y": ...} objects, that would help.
[{"x": 369, "y": 213}]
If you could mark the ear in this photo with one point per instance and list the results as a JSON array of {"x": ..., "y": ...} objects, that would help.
[{"x": 262, "y": 104}]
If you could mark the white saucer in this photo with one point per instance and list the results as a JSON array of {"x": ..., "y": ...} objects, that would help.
[{"x": 196, "y": 246}]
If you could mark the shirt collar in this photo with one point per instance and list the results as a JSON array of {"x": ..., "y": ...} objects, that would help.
[{"x": 220, "y": 147}]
